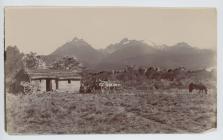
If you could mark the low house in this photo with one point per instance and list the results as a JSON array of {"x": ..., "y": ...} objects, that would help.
[{"x": 48, "y": 80}]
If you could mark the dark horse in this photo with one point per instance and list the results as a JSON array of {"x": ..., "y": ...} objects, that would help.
[{"x": 199, "y": 87}]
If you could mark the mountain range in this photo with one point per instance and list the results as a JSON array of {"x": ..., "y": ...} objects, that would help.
[{"x": 135, "y": 52}]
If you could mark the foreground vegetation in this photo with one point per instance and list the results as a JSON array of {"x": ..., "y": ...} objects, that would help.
[{"x": 151, "y": 111}]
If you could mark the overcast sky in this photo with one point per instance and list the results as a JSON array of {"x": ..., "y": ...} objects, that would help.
[{"x": 42, "y": 30}]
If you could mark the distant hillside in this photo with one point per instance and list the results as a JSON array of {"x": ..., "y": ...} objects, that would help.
[
  {"x": 185, "y": 55},
  {"x": 122, "y": 53},
  {"x": 77, "y": 48},
  {"x": 133, "y": 52}
]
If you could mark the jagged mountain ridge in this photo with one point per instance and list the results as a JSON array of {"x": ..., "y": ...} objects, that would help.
[{"x": 134, "y": 52}]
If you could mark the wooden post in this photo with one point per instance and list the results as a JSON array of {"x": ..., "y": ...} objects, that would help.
[
  {"x": 57, "y": 83},
  {"x": 48, "y": 85}
]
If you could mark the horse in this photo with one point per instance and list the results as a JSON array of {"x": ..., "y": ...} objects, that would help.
[{"x": 200, "y": 87}]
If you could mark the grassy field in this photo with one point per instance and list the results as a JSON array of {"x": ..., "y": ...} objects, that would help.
[{"x": 160, "y": 111}]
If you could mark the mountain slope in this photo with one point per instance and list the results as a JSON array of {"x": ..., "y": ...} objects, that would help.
[
  {"x": 182, "y": 54},
  {"x": 77, "y": 48},
  {"x": 132, "y": 52}
]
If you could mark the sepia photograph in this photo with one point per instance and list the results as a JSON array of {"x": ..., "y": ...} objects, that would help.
[{"x": 110, "y": 70}]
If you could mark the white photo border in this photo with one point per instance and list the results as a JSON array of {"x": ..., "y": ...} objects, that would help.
[{"x": 218, "y": 4}]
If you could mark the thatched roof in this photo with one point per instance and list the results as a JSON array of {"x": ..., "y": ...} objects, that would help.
[{"x": 54, "y": 74}]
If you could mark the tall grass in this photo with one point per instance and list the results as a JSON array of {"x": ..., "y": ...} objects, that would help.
[{"x": 144, "y": 111}]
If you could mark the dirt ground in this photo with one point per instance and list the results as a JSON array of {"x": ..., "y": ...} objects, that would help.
[{"x": 160, "y": 111}]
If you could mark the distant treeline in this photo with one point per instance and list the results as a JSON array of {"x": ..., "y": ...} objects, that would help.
[{"x": 150, "y": 77}]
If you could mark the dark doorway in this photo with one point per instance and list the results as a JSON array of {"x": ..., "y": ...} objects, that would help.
[{"x": 48, "y": 85}]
